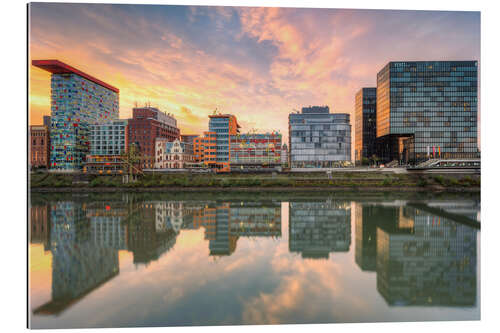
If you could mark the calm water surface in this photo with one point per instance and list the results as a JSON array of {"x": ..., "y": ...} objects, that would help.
[{"x": 116, "y": 260}]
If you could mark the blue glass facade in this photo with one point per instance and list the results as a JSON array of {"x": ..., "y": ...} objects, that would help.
[
  {"x": 318, "y": 138},
  {"x": 426, "y": 109}
]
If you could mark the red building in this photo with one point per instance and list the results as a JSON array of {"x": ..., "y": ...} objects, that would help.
[
  {"x": 147, "y": 124},
  {"x": 39, "y": 146}
]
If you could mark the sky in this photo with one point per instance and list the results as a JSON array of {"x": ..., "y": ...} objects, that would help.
[{"x": 259, "y": 64}]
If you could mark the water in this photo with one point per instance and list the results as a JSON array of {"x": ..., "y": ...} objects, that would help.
[{"x": 118, "y": 260}]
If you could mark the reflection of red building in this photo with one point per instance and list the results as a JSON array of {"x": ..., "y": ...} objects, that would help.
[
  {"x": 146, "y": 125},
  {"x": 39, "y": 146}
]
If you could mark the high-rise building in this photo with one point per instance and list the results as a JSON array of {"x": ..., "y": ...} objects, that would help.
[
  {"x": 318, "y": 138},
  {"x": 77, "y": 101},
  {"x": 39, "y": 146},
  {"x": 255, "y": 151},
  {"x": 223, "y": 126},
  {"x": 147, "y": 124},
  {"x": 365, "y": 130},
  {"x": 427, "y": 109}
]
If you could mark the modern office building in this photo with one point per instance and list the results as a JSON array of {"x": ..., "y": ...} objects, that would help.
[
  {"x": 147, "y": 124},
  {"x": 318, "y": 138},
  {"x": 188, "y": 138},
  {"x": 224, "y": 126},
  {"x": 204, "y": 149},
  {"x": 39, "y": 146},
  {"x": 255, "y": 151},
  {"x": 427, "y": 109},
  {"x": 77, "y": 101},
  {"x": 365, "y": 129},
  {"x": 108, "y": 141},
  {"x": 110, "y": 138},
  {"x": 173, "y": 155}
]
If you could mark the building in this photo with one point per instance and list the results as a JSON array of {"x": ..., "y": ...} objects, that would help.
[
  {"x": 47, "y": 121},
  {"x": 77, "y": 101},
  {"x": 365, "y": 125},
  {"x": 173, "y": 155},
  {"x": 39, "y": 147},
  {"x": 284, "y": 154},
  {"x": 189, "y": 138},
  {"x": 255, "y": 151},
  {"x": 222, "y": 127},
  {"x": 108, "y": 141},
  {"x": 147, "y": 124},
  {"x": 427, "y": 109},
  {"x": 318, "y": 138},
  {"x": 204, "y": 149}
]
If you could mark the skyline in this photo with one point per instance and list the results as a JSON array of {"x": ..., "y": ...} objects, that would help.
[{"x": 266, "y": 63}]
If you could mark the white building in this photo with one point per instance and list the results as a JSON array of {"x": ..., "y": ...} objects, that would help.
[{"x": 172, "y": 155}]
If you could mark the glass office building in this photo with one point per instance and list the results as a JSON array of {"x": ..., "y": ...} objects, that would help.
[
  {"x": 318, "y": 138},
  {"x": 255, "y": 151},
  {"x": 109, "y": 138},
  {"x": 427, "y": 109},
  {"x": 223, "y": 126},
  {"x": 365, "y": 130},
  {"x": 77, "y": 101}
]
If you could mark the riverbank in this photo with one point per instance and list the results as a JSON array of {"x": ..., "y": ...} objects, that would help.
[{"x": 305, "y": 182}]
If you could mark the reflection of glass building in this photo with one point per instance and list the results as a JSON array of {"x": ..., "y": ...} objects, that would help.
[
  {"x": 365, "y": 131},
  {"x": 77, "y": 100},
  {"x": 78, "y": 264},
  {"x": 427, "y": 260},
  {"x": 318, "y": 228},
  {"x": 427, "y": 108},
  {"x": 366, "y": 237},
  {"x": 318, "y": 138}
]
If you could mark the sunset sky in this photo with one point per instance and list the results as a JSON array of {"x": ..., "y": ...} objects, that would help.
[{"x": 256, "y": 63}]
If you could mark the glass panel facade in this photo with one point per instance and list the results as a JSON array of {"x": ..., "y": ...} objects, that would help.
[
  {"x": 319, "y": 138},
  {"x": 433, "y": 103},
  {"x": 365, "y": 123}
]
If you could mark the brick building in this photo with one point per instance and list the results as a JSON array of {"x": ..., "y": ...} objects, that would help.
[
  {"x": 147, "y": 124},
  {"x": 39, "y": 146}
]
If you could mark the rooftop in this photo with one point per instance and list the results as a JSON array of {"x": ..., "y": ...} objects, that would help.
[{"x": 58, "y": 67}]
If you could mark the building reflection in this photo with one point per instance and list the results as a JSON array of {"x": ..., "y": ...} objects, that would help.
[
  {"x": 79, "y": 265},
  {"x": 226, "y": 222},
  {"x": 420, "y": 258},
  {"x": 318, "y": 228}
]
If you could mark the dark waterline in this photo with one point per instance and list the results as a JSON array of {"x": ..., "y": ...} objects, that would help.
[{"x": 132, "y": 260}]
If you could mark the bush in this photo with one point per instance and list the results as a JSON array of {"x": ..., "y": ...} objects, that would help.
[
  {"x": 387, "y": 182},
  {"x": 439, "y": 179},
  {"x": 422, "y": 182}
]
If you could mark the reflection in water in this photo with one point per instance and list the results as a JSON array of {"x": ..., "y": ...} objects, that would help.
[
  {"x": 418, "y": 256},
  {"x": 318, "y": 228},
  {"x": 79, "y": 265}
]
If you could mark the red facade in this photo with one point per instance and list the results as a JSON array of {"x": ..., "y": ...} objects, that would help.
[
  {"x": 143, "y": 129},
  {"x": 39, "y": 146}
]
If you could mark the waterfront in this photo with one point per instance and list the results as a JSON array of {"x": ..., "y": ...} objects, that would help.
[{"x": 152, "y": 259}]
